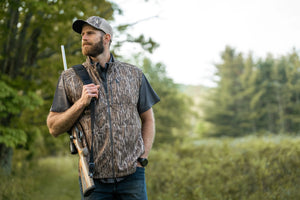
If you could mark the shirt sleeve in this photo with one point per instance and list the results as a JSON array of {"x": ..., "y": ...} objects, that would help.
[
  {"x": 60, "y": 101},
  {"x": 147, "y": 96}
]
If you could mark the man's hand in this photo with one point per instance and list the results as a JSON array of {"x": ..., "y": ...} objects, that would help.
[
  {"x": 60, "y": 122},
  {"x": 88, "y": 92}
]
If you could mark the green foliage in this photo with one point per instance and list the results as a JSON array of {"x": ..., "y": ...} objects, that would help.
[
  {"x": 12, "y": 104},
  {"x": 255, "y": 97},
  {"x": 48, "y": 178},
  {"x": 31, "y": 34},
  {"x": 248, "y": 168},
  {"x": 199, "y": 95},
  {"x": 173, "y": 112}
]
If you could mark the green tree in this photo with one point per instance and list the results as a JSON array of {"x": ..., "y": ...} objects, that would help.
[
  {"x": 255, "y": 97},
  {"x": 282, "y": 93},
  {"x": 173, "y": 112},
  {"x": 266, "y": 106},
  {"x": 292, "y": 117},
  {"x": 14, "y": 104},
  {"x": 228, "y": 102},
  {"x": 31, "y": 34}
]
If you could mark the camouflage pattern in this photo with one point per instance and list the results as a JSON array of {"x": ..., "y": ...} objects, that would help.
[
  {"x": 94, "y": 21},
  {"x": 116, "y": 117}
]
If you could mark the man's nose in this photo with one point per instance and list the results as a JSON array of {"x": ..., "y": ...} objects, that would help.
[{"x": 84, "y": 37}]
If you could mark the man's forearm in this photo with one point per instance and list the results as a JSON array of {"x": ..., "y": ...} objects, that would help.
[
  {"x": 59, "y": 123},
  {"x": 148, "y": 131}
]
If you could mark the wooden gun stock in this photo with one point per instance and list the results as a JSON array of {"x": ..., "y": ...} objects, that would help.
[{"x": 87, "y": 183}]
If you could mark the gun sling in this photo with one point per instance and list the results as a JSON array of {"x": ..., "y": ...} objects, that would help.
[{"x": 85, "y": 78}]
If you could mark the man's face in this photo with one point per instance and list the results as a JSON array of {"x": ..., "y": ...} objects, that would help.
[{"x": 91, "y": 42}]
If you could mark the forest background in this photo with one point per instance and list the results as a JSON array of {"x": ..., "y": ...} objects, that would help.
[{"x": 238, "y": 140}]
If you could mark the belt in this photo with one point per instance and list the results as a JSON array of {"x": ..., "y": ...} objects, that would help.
[{"x": 111, "y": 180}]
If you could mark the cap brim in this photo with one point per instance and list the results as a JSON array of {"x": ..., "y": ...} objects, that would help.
[{"x": 77, "y": 25}]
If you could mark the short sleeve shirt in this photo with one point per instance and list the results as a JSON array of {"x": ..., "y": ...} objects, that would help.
[{"x": 147, "y": 97}]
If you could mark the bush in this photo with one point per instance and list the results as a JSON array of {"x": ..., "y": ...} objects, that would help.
[{"x": 249, "y": 168}]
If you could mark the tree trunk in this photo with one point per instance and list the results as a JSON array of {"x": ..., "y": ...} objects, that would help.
[
  {"x": 11, "y": 40},
  {"x": 6, "y": 154},
  {"x": 21, "y": 46}
]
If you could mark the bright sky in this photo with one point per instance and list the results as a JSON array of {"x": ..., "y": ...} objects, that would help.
[{"x": 193, "y": 33}]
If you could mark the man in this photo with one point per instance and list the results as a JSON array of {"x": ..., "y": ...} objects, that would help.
[{"x": 124, "y": 121}]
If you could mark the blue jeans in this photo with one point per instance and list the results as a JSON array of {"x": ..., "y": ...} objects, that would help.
[{"x": 133, "y": 187}]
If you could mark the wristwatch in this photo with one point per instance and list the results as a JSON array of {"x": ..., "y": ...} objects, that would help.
[{"x": 143, "y": 161}]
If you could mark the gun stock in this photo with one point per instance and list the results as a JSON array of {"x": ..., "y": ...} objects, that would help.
[{"x": 87, "y": 182}]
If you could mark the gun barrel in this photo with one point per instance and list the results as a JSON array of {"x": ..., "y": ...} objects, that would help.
[{"x": 64, "y": 57}]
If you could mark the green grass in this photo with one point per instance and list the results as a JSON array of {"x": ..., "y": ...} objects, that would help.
[
  {"x": 57, "y": 179},
  {"x": 49, "y": 178},
  {"x": 251, "y": 168}
]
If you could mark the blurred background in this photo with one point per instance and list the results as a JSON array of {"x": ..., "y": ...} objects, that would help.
[{"x": 227, "y": 73}]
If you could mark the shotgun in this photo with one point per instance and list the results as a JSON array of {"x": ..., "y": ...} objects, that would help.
[{"x": 87, "y": 183}]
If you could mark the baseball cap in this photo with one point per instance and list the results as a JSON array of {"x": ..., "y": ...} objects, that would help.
[{"x": 94, "y": 21}]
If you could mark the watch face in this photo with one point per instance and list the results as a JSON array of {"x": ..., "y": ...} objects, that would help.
[{"x": 143, "y": 161}]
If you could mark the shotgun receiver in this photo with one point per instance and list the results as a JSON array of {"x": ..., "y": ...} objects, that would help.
[{"x": 76, "y": 146}]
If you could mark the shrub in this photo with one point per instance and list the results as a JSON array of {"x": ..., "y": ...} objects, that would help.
[
  {"x": 249, "y": 168},
  {"x": 264, "y": 168}
]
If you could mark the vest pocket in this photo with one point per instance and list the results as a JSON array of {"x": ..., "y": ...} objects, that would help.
[
  {"x": 124, "y": 91},
  {"x": 128, "y": 145}
]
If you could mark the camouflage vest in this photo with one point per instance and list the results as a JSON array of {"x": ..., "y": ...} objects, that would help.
[{"x": 118, "y": 137}]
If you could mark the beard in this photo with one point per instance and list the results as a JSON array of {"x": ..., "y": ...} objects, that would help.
[{"x": 93, "y": 50}]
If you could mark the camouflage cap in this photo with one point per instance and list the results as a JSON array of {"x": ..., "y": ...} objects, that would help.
[{"x": 94, "y": 21}]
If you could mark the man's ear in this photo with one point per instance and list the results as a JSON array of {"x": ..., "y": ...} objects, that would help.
[{"x": 107, "y": 38}]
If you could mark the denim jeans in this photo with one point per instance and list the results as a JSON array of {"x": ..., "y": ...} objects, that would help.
[{"x": 133, "y": 187}]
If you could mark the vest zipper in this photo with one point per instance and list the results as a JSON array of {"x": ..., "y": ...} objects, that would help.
[{"x": 110, "y": 127}]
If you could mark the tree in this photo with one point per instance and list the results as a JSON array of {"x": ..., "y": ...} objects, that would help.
[
  {"x": 292, "y": 117},
  {"x": 31, "y": 34},
  {"x": 173, "y": 112},
  {"x": 228, "y": 105},
  {"x": 255, "y": 98},
  {"x": 13, "y": 131}
]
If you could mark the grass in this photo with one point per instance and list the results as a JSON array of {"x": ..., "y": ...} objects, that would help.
[
  {"x": 249, "y": 168},
  {"x": 48, "y": 178},
  {"x": 57, "y": 179}
]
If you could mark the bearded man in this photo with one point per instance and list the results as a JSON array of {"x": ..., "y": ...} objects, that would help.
[{"x": 124, "y": 126}]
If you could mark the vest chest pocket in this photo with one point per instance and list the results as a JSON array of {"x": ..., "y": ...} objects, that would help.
[{"x": 124, "y": 91}]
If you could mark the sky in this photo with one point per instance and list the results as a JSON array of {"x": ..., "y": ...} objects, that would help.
[{"x": 192, "y": 34}]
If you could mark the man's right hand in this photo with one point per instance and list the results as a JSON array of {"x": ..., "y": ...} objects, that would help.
[
  {"x": 60, "y": 122},
  {"x": 88, "y": 92}
]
